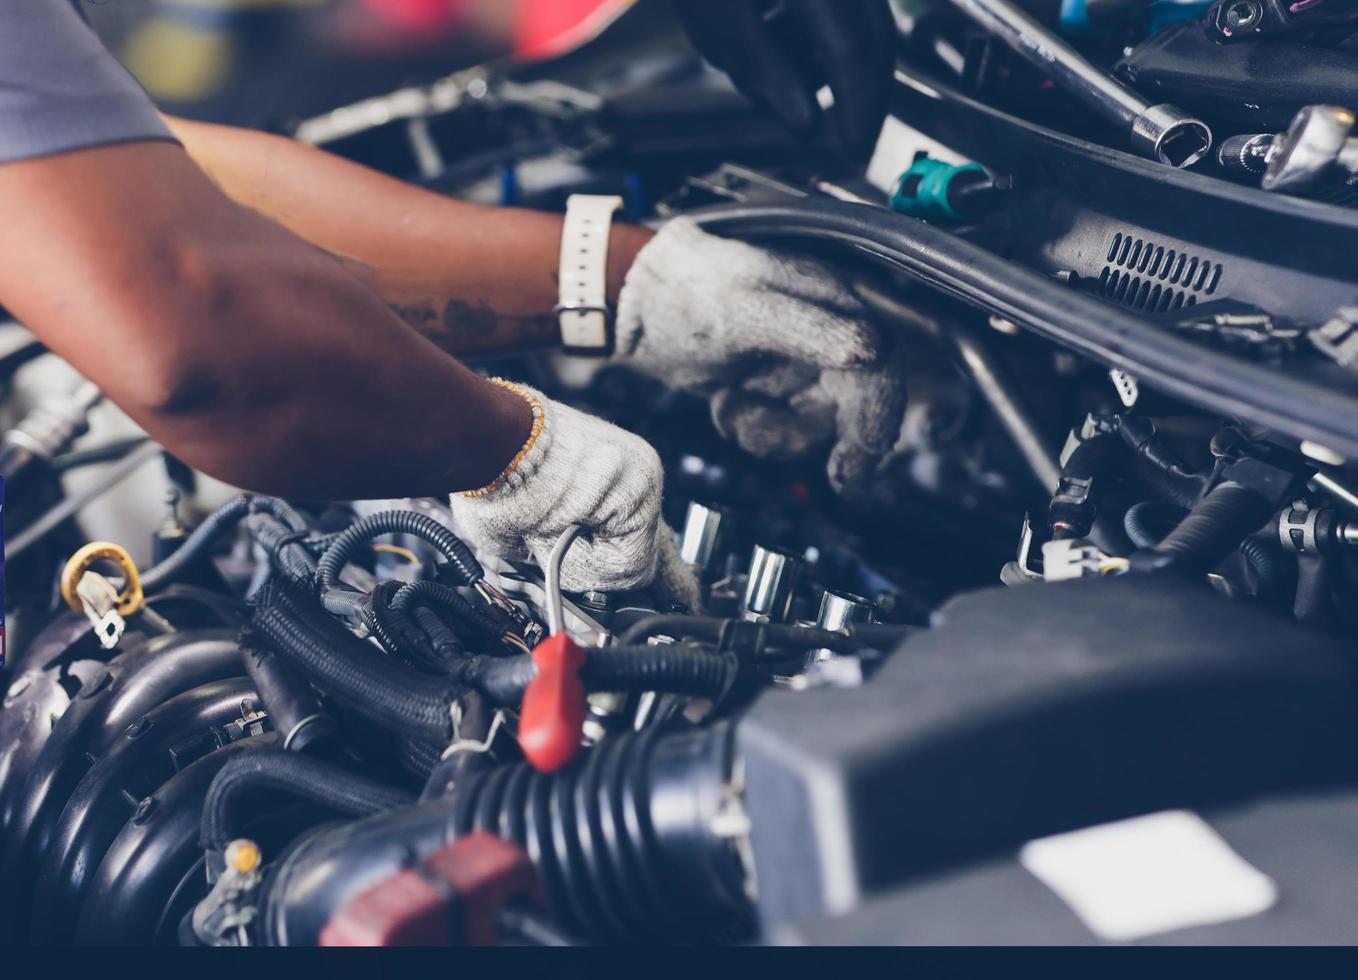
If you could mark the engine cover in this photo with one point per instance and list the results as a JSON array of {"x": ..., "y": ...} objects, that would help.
[{"x": 1028, "y": 711}]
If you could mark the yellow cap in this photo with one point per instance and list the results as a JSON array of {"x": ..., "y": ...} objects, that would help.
[{"x": 243, "y": 855}]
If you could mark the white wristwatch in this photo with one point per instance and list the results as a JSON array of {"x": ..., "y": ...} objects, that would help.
[{"x": 582, "y": 307}]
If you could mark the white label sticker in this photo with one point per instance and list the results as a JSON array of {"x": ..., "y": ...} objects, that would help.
[{"x": 1148, "y": 875}]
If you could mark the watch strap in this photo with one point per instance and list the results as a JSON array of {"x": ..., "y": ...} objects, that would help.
[{"x": 582, "y": 310}]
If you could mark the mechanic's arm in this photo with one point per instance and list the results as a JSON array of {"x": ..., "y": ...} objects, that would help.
[
  {"x": 247, "y": 352},
  {"x": 783, "y": 348},
  {"x": 471, "y": 278}
]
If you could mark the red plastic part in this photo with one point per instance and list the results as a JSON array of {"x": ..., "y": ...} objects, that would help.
[
  {"x": 553, "y": 710},
  {"x": 453, "y": 899}
]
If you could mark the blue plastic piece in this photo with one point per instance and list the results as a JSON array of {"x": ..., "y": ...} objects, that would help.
[
  {"x": 922, "y": 191},
  {"x": 1149, "y": 17}
]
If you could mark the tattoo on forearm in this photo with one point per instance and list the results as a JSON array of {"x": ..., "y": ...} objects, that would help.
[
  {"x": 474, "y": 322},
  {"x": 464, "y": 327},
  {"x": 418, "y": 315}
]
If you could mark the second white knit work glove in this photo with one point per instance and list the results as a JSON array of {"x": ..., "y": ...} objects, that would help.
[
  {"x": 579, "y": 469},
  {"x": 787, "y": 354}
]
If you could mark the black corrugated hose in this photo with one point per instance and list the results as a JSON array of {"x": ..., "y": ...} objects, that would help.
[
  {"x": 623, "y": 837},
  {"x": 206, "y": 534},
  {"x": 285, "y": 547},
  {"x": 339, "y": 599},
  {"x": 230, "y": 797},
  {"x": 1268, "y": 566},
  {"x": 436, "y": 595},
  {"x": 397, "y": 632}
]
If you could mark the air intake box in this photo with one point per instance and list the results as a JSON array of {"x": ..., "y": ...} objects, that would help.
[{"x": 1029, "y": 711}]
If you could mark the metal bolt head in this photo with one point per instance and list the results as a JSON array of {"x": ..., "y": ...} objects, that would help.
[
  {"x": 1243, "y": 15},
  {"x": 144, "y": 810},
  {"x": 139, "y": 728}
]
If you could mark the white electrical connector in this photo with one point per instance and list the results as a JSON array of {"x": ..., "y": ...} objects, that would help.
[{"x": 1075, "y": 558}]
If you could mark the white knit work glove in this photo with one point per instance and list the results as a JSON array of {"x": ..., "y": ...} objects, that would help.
[
  {"x": 579, "y": 469},
  {"x": 787, "y": 354}
]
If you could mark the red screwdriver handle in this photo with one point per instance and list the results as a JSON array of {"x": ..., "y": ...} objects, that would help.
[{"x": 553, "y": 709}]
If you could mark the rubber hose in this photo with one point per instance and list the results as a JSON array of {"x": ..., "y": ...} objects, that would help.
[
  {"x": 1267, "y": 562},
  {"x": 438, "y": 594},
  {"x": 447, "y": 644},
  {"x": 395, "y": 630},
  {"x": 384, "y": 691},
  {"x": 709, "y": 629},
  {"x": 670, "y": 669},
  {"x": 446, "y": 774},
  {"x": 1158, "y": 464},
  {"x": 1180, "y": 491},
  {"x": 288, "y": 554},
  {"x": 296, "y": 713},
  {"x": 1214, "y": 528},
  {"x": 448, "y": 545},
  {"x": 206, "y": 534},
  {"x": 229, "y": 802},
  {"x": 1071, "y": 515},
  {"x": 1148, "y": 522},
  {"x": 419, "y": 758}
]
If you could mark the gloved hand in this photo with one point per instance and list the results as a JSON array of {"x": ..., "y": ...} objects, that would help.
[
  {"x": 578, "y": 469},
  {"x": 786, "y": 352},
  {"x": 781, "y": 55}
]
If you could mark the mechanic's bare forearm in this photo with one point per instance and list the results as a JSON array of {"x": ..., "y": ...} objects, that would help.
[
  {"x": 250, "y": 354},
  {"x": 473, "y": 279}
]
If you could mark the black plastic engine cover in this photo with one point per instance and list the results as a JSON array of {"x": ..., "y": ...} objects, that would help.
[
  {"x": 1029, "y": 711},
  {"x": 1306, "y": 845},
  {"x": 1255, "y": 87}
]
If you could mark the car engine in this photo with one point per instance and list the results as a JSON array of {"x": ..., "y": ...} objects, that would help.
[{"x": 1083, "y": 646}]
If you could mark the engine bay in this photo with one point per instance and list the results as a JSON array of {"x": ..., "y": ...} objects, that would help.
[{"x": 1105, "y": 579}]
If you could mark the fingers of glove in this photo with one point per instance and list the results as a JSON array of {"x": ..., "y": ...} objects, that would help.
[
  {"x": 732, "y": 35},
  {"x": 780, "y": 379},
  {"x": 606, "y": 562},
  {"x": 870, "y": 411},
  {"x": 484, "y": 532},
  {"x": 855, "y": 44},
  {"x": 674, "y": 579},
  {"x": 772, "y": 428}
]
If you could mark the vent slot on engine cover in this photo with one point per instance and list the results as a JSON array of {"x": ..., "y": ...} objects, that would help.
[{"x": 1150, "y": 277}]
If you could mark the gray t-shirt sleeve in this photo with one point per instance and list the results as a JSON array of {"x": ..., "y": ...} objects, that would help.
[{"x": 60, "y": 89}]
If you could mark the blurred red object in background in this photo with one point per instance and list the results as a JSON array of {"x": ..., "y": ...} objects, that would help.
[
  {"x": 548, "y": 27},
  {"x": 418, "y": 16},
  {"x": 534, "y": 28}
]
